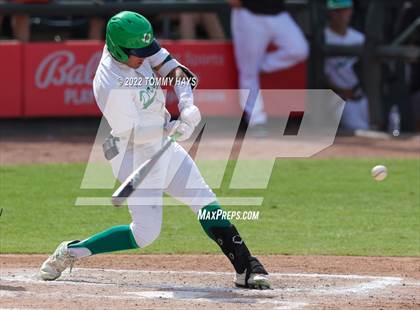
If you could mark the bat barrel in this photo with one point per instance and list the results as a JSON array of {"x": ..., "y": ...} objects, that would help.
[{"x": 118, "y": 201}]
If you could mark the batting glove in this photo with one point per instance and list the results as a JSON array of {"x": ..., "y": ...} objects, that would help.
[
  {"x": 190, "y": 115},
  {"x": 184, "y": 130},
  {"x": 185, "y": 125}
]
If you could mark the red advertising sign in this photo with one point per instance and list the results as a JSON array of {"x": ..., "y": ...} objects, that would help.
[
  {"x": 58, "y": 78},
  {"x": 11, "y": 84},
  {"x": 55, "y": 79}
]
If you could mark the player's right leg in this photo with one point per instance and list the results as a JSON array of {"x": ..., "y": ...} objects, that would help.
[
  {"x": 145, "y": 206},
  {"x": 143, "y": 230},
  {"x": 116, "y": 238}
]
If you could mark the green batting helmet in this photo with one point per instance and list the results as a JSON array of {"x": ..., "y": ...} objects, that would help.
[
  {"x": 129, "y": 33},
  {"x": 339, "y": 4}
]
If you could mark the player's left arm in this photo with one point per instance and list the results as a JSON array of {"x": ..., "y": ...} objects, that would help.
[{"x": 183, "y": 81}]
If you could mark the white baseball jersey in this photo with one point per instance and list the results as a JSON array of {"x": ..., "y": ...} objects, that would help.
[
  {"x": 125, "y": 98},
  {"x": 340, "y": 72},
  {"x": 128, "y": 102}
]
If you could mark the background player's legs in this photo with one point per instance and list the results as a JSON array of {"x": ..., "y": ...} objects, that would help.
[
  {"x": 290, "y": 40},
  {"x": 356, "y": 114},
  {"x": 250, "y": 38}
]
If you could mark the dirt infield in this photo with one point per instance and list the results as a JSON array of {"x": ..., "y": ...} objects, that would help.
[
  {"x": 205, "y": 282},
  {"x": 78, "y": 150},
  {"x": 67, "y": 141}
]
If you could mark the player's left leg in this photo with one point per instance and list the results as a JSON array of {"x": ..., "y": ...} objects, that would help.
[
  {"x": 186, "y": 184},
  {"x": 250, "y": 40},
  {"x": 250, "y": 273}
]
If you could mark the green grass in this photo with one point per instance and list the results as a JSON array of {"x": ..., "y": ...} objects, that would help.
[{"x": 310, "y": 207}]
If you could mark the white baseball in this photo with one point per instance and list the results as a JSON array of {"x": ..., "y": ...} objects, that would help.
[{"x": 379, "y": 172}]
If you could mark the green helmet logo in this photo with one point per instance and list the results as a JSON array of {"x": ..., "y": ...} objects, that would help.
[
  {"x": 147, "y": 38},
  {"x": 129, "y": 33},
  {"x": 339, "y": 4}
]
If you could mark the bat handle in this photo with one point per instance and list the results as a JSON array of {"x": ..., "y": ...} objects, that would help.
[{"x": 175, "y": 136}]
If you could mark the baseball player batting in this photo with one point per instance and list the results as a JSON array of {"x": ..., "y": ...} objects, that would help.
[{"x": 141, "y": 126}]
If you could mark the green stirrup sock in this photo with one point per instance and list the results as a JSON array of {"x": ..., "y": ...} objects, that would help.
[
  {"x": 116, "y": 238},
  {"x": 207, "y": 224}
]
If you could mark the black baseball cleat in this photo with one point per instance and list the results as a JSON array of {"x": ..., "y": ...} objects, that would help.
[
  {"x": 255, "y": 281},
  {"x": 254, "y": 277}
]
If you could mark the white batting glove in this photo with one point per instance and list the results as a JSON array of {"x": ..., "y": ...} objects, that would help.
[
  {"x": 183, "y": 129},
  {"x": 185, "y": 125},
  {"x": 190, "y": 115}
]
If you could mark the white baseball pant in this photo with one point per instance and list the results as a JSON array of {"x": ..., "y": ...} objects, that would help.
[
  {"x": 252, "y": 34},
  {"x": 175, "y": 173}
]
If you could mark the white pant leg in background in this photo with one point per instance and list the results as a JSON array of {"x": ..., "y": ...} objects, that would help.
[
  {"x": 250, "y": 39},
  {"x": 292, "y": 46},
  {"x": 184, "y": 181},
  {"x": 356, "y": 114}
]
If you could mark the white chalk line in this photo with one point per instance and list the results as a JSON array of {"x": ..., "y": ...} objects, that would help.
[
  {"x": 221, "y": 273},
  {"x": 5, "y": 293},
  {"x": 362, "y": 287},
  {"x": 375, "y": 283},
  {"x": 17, "y": 308}
]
